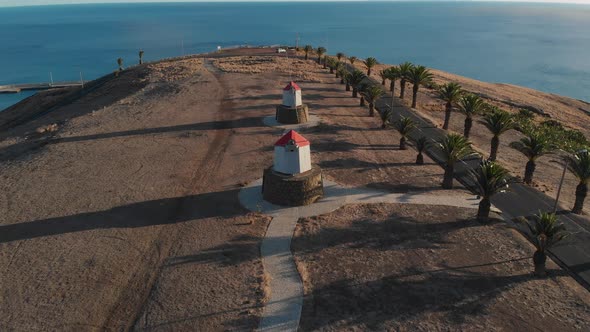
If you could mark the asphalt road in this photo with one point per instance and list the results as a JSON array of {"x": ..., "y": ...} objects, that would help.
[{"x": 573, "y": 254}]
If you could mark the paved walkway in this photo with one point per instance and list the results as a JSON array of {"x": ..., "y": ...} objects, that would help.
[{"x": 283, "y": 310}]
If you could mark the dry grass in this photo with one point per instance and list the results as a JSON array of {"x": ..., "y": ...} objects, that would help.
[
  {"x": 169, "y": 71},
  {"x": 392, "y": 267},
  {"x": 302, "y": 70}
]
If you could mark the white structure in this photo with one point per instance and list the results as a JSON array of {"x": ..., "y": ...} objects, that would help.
[
  {"x": 292, "y": 95},
  {"x": 292, "y": 154}
]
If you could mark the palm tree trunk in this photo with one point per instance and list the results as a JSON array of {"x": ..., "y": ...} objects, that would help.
[
  {"x": 392, "y": 86},
  {"x": 402, "y": 88},
  {"x": 529, "y": 170},
  {"x": 347, "y": 87},
  {"x": 494, "y": 147},
  {"x": 354, "y": 93},
  {"x": 332, "y": 71},
  {"x": 362, "y": 101},
  {"x": 414, "y": 95},
  {"x": 448, "y": 110},
  {"x": 383, "y": 82},
  {"x": 419, "y": 159},
  {"x": 371, "y": 109},
  {"x": 483, "y": 212},
  {"x": 581, "y": 192},
  {"x": 539, "y": 259},
  {"x": 368, "y": 71},
  {"x": 342, "y": 80},
  {"x": 467, "y": 128},
  {"x": 402, "y": 143},
  {"x": 448, "y": 177},
  {"x": 306, "y": 55},
  {"x": 319, "y": 59}
]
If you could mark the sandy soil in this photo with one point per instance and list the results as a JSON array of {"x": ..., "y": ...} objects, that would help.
[
  {"x": 427, "y": 268},
  {"x": 121, "y": 206},
  {"x": 121, "y": 211},
  {"x": 127, "y": 215}
]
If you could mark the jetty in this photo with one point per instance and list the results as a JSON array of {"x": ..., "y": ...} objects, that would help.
[{"x": 16, "y": 88}]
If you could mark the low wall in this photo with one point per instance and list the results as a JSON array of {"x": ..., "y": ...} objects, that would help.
[
  {"x": 292, "y": 190},
  {"x": 287, "y": 115}
]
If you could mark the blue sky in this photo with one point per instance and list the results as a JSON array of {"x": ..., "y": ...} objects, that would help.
[{"x": 5, "y": 3}]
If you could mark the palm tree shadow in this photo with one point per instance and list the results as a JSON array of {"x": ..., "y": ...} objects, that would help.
[
  {"x": 243, "y": 248},
  {"x": 456, "y": 295},
  {"x": 143, "y": 214},
  {"x": 401, "y": 233}
]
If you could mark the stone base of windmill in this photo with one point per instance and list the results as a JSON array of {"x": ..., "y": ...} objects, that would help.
[
  {"x": 289, "y": 115},
  {"x": 292, "y": 190}
]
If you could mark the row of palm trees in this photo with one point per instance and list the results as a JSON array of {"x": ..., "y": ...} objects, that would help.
[
  {"x": 490, "y": 177},
  {"x": 497, "y": 121}
]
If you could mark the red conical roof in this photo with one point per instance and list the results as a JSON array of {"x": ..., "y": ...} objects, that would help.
[
  {"x": 292, "y": 135},
  {"x": 292, "y": 85}
]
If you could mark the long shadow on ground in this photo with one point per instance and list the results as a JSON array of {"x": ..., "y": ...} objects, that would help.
[
  {"x": 455, "y": 292},
  {"x": 148, "y": 213}
]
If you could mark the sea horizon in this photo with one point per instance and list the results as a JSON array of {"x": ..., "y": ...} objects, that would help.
[{"x": 540, "y": 46}]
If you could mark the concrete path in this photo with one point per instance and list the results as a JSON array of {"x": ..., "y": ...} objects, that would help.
[{"x": 283, "y": 310}]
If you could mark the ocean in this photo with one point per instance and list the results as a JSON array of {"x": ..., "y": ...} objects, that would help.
[{"x": 541, "y": 46}]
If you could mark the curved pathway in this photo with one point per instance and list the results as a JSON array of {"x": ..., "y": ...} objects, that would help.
[{"x": 283, "y": 309}]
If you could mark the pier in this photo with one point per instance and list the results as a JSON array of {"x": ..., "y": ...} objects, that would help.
[{"x": 16, "y": 88}]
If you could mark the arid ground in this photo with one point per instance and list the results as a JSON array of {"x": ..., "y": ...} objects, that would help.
[
  {"x": 392, "y": 267},
  {"x": 119, "y": 202}
]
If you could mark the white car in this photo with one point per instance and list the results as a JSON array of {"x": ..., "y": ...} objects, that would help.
[{"x": 281, "y": 50}]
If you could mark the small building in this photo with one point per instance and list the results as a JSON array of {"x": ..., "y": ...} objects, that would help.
[
  {"x": 292, "y": 154},
  {"x": 292, "y": 95},
  {"x": 292, "y": 180}
]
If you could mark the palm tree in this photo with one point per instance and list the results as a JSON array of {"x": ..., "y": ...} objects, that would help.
[
  {"x": 307, "y": 49},
  {"x": 453, "y": 147},
  {"x": 370, "y": 63},
  {"x": 120, "y": 63},
  {"x": 579, "y": 165},
  {"x": 331, "y": 62},
  {"x": 404, "y": 71},
  {"x": 372, "y": 94},
  {"x": 361, "y": 88},
  {"x": 383, "y": 75},
  {"x": 404, "y": 126},
  {"x": 450, "y": 93},
  {"x": 470, "y": 105},
  {"x": 340, "y": 55},
  {"x": 497, "y": 122},
  {"x": 338, "y": 69},
  {"x": 320, "y": 51},
  {"x": 141, "y": 57},
  {"x": 533, "y": 146},
  {"x": 545, "y": 232},
  {"x": 422, "y": 144},
  {"x": 418, "y": 75},
  {"x": 354, "y": 79},
  {"x": 352, "y": 59},
  {"x": 385, "y": 115},
  {"x": 490, "y": 179},
  {"x": 393, "y": 74},
  {"x": 342, "y": 73}
]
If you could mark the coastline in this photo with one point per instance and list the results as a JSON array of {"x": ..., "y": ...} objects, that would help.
[
  {"x": 126, "y": 200},
  {"x": 508, "y": 96}
]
